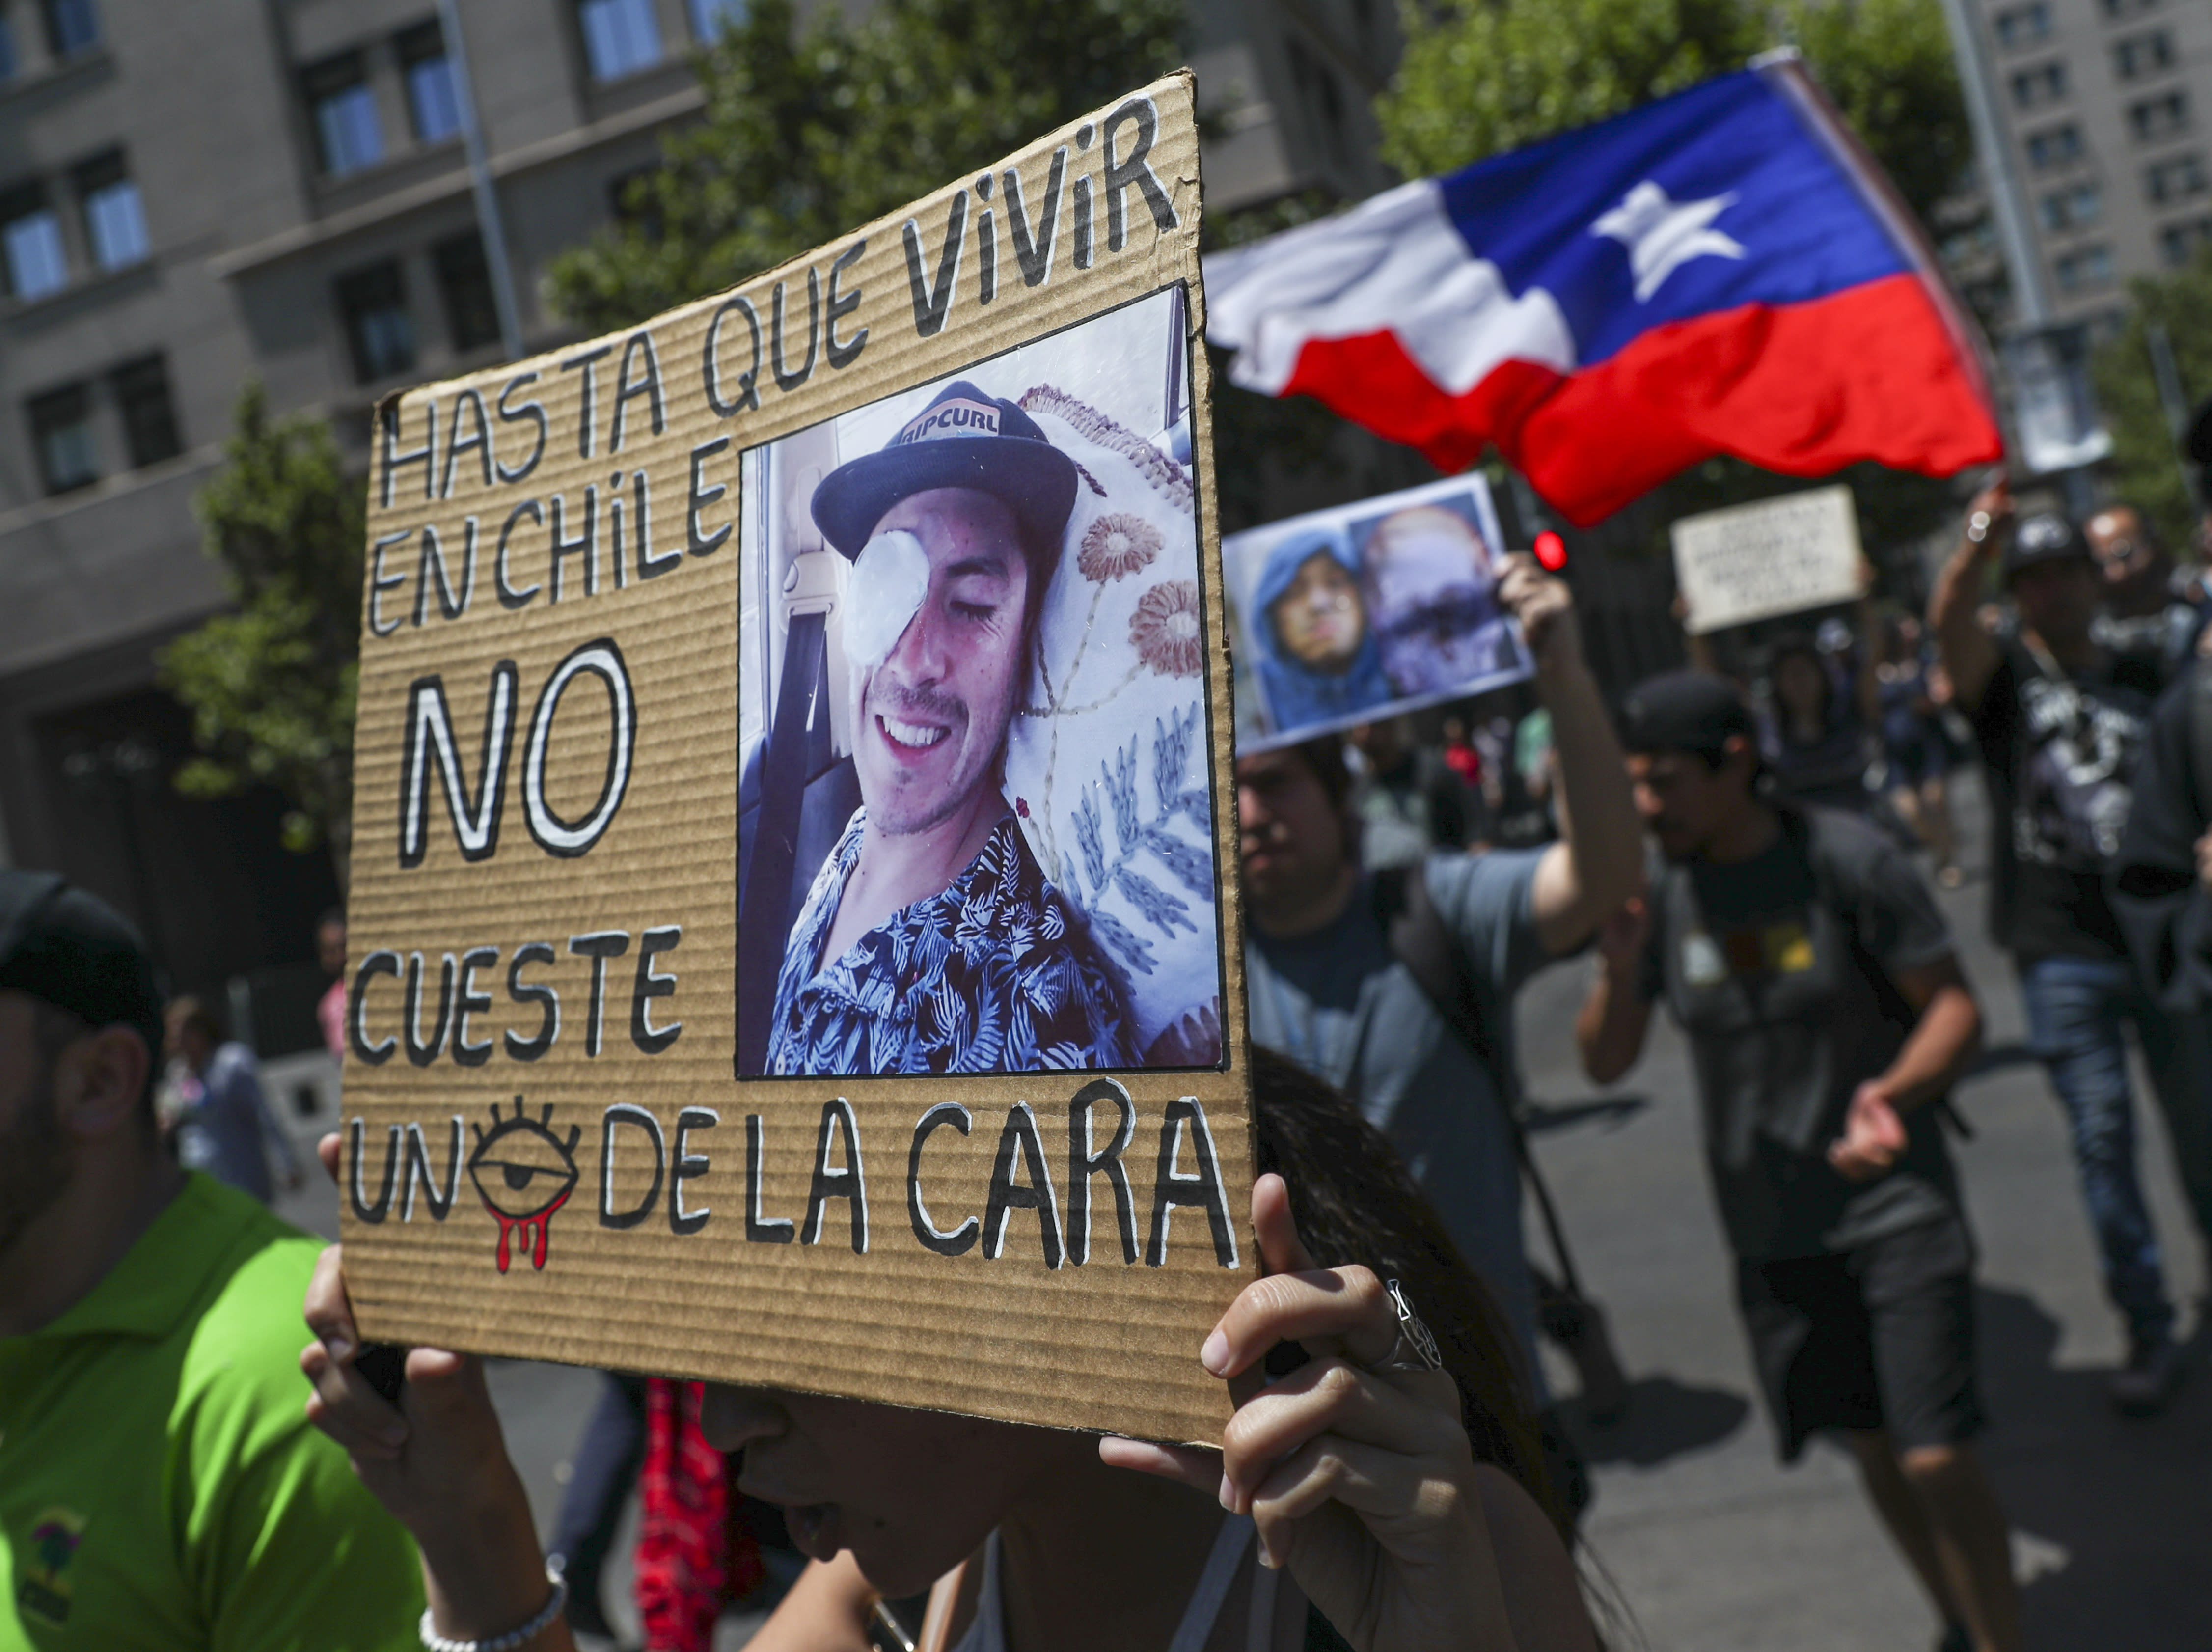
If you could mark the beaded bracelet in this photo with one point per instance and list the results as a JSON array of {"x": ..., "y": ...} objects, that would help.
[{"x": 514, "y": 1637}]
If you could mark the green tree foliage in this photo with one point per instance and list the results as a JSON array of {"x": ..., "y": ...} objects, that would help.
[
  {"x": 2143, "y": 469},
  {"x": 1482, "y": 76},
  {"x": 810, "y": 132},
  {"x": 271, "y": 686}
]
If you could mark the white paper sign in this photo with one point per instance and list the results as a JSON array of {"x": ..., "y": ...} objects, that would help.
[{"x": 1778, "y": 556}]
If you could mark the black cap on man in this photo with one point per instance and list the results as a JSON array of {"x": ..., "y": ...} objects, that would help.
[
  {"x": 962, "y": 439},
  {"x": 70, "y": 949}
]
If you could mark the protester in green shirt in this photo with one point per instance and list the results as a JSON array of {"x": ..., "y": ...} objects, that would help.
[{"x": 160, "y": 1485}]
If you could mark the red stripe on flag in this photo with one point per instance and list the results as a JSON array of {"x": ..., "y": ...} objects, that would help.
[{"x": 1870, "y": 373}]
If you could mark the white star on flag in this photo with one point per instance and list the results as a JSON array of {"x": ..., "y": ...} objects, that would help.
[{"x": 1663, "y": 235}]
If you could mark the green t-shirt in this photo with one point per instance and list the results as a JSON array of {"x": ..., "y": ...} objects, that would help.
[{"x": 159, "y": 1483}]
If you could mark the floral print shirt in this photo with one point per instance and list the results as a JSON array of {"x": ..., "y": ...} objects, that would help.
[{"x": 995, "y": 973}]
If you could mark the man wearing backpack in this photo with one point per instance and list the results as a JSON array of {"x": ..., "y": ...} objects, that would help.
[
  {"x": 1827, "y": 1019},
  {"x": 2060, "y": 716},
  {"x": 1328, "y": 983},
  {"x": 2162, "y": 890}
]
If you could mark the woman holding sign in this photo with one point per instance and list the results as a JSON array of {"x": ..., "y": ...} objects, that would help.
[{"x": 1379, "y": 1477}]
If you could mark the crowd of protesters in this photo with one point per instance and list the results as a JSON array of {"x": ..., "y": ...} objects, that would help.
[{"x": 1742, "y": 851}]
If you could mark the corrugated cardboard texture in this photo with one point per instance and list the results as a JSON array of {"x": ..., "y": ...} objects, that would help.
[{"x": 609, "y": 1278}]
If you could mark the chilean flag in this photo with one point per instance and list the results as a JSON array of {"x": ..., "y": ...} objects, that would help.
[{"x": 1723, "y": 271}]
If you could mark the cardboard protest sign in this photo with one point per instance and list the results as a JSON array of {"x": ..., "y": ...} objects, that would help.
[
  {"x": 1341, "y": 617},
  {"x": 1778, "y": 556},
  {"x": 792, "y": 944}
]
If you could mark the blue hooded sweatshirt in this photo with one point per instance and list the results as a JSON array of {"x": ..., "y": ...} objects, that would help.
[{"x": 1298, "y": 696}]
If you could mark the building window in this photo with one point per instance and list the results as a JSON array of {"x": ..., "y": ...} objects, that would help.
[
  {"x": 2084, "y": 268},
  {"x": 71, "y": 27},
  {"x": 2182, "y": 242},
  {"x": 150, "y": 420},
  {"x": 373, "y": 302},
  {"x": 1976, "y": 240},
  {"x": 2159, "y": 116},
  {"x": 2176, "y": 179},
  {"x": 711, "y": 19},
  {"x": 31, "y": 239},
  {"x": 2075, "y": 208},
  {"x": 620, "y": 36},
  {"x": 2118, "y": 11},
  {"x": 2054, "y": 146},
  {"x": 8, "y": 65},
  {"x": 2019, "y": 25},
  {"x": 61, "y": 435},
  {"x": 2145, "y": 54},
  {"x": 2044, "y": 83},
  {"x": 464, "y": 284},
  {"x": 114, "y": 220},
  {"x": 1318, "y": 91},
  {"x": 344, "y": 111},
  {"x": 432, "y": 103}
]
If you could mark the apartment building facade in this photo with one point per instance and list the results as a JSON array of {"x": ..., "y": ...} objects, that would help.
[
  {"x": 194, "y": 194},
  {"x": 2106, "y": 108}
]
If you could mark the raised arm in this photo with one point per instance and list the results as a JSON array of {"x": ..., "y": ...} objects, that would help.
[
  {"x": 438, "y": 1461},
  {"x": 1697, "y": 646},
  {"x": 1598, "y": 862},
  {"x": 1610, "y": 1028},
  {"x": 1969, "y": 652}
]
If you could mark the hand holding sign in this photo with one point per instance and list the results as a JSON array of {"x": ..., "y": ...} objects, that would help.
[
  {"x": 1359, "y": 1475},
  {"x": 791, "y": 823},
  {"x": 435, "y": 1459},
  {"x": 1545, "y": 607}
]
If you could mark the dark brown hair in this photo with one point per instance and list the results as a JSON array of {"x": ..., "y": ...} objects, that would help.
[
  {"x": 1356, "y": 1204},
  {"x": 1324, "y": 756}
]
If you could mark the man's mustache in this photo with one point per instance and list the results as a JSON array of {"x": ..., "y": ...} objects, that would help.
[{"x": 923, "y": 703}]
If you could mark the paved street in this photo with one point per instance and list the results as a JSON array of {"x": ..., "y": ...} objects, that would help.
[
  {"x": 1712, "y": 1545},
  {"x": 1715, "y": 1548}
]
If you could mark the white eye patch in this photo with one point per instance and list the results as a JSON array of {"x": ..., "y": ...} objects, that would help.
[{"x": 891, "y": 578}]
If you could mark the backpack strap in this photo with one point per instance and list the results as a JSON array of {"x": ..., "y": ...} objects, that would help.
[
  {"x": 1419, "y": 939},
  {"x": 2200, "y": 732},
  {"x": 1804, "y": 829}
]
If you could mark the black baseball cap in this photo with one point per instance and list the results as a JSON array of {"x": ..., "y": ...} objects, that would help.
[
  {"x": 1685, "y": 711},
  {"x": 2045, "y": 537},
  {"x": 962, "y": 439},
  {"x": 71, "y": 949}
]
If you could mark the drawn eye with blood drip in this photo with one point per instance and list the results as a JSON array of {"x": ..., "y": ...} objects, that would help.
[{"x": 523, "y": 1173}]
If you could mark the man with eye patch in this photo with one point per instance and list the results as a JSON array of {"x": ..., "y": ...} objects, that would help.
[
  {"x": 160, "y": 1486},
  {"x": 931, "y": 940}
]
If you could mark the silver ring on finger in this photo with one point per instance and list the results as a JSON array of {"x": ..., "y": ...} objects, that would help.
[{"x": 1415, "y": 1350}]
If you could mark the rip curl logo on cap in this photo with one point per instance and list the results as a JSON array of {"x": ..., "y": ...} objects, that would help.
[{"x": 954, "y": 418}]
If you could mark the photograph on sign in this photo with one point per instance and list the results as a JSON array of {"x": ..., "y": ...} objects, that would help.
[
  {"x": 793, "y": 901},
  {"x": 1777, "y": 556},
  {"x": 1341, "y": 617},
  {"x": 971, "y": 620}
]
